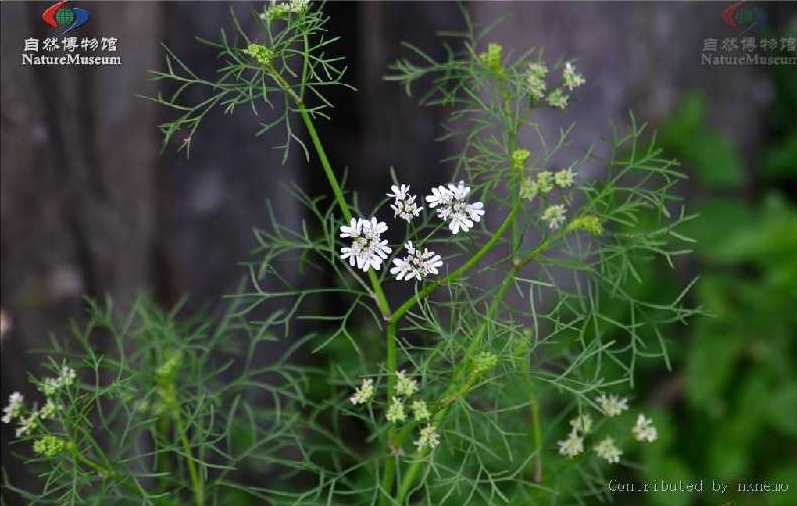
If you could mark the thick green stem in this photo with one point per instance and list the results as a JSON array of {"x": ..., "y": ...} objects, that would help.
[
  {"x": 193, "y": 472},
  {"x": 376, "y": 285},
  {"x": 536, "y": 434}
]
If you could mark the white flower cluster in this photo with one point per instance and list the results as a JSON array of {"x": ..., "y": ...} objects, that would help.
[
  {"x": 363, "y": 394},
  {"x": 535, "y": 79},
  {"x": 279, "y": 9},
  {"x": 14, "y": 407},
  {"x": 612, "y": 405},
  {"x": 573, "y": 445},
  {"x": 554, "y": 216},
  {"x": 571, "y": 78},
  {"x": 544, "y": 183},
  {"x": 428, "y": 438},
  {"x": 51, "y": 387},
  {"x": 395, "y": 412},
  {"x": 607, "y": 449},
  {"x": 644, "y": 431},
  {"x": 416, "y": 265},
  {"x": 452, "y": 206},
  {"x": 397, "y": 409},
  {"x": 404, "y": 205},
  {"x": 65, "y": 378},
  {"x": 367, "y": 248},
  {"x": 558, "y": 98}
]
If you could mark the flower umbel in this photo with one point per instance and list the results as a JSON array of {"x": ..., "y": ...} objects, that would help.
[
  {"x": 395, "y": 412},
  {"x": 405, "y": 386},
  {"x": 608, "y": 450},
  {"x": 363, "y": 394},
  {"x": 28, "y": 424},
  {"x": 644, "y": 431},
  {"x": 49, "y": 410},
  {"x": 589, "y": 223},
  {"x": 454, "y": 207},
  {"x": 260, "y": 53},
  {"x": 571, "y": 446},
  {"x": 49, "y": 446},
  {"x": 14, "y": 407},
  {"x": 535, "y": 79},
  {"x": 404, "y": 205},
  {"x": 558, "y": 98},
  {"x": 582, "y": 424},
  {"x": 554, "y": 216},
  {"x": 612, "y": 405},
  {"x": 420, "y": 411},
  {"x": 280, "y": 10},
  {"x": 571, "y": 78},
  {"x": 416, "y": 265},
  {"x": 428, "y": 438},
  {"x": 564, "y": 178},
  {"x": 367, "y": 249}
]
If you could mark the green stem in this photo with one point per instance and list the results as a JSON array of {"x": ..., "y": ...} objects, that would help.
[
  {"x": 536, "y": 433},
  {"x": 379, "y": 294},
  {"x": 196, "y": 480},
  {"x": 409, "y": 477},
  {"x": 458, "y": 273},
  {"x": 376, "y": 285}
]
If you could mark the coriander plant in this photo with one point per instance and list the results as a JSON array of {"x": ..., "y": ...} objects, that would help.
[{"x": 499, "y": 374}]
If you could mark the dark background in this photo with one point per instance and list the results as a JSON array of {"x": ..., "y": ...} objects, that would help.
[{"x": 90, "y": 206}]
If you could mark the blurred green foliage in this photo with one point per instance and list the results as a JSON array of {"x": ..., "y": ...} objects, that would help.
[{"x": 731, "y": 403}]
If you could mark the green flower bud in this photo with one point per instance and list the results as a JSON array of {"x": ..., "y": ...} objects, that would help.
[
  {"x": 261, "y": 53},
  {"x": 484, "y": 362},
  {"x": 49, "y": 446},
  {"x": 492, "y": 58},
  {"x": 519, "y": 157},
  {"x": 589, "y": 224}
]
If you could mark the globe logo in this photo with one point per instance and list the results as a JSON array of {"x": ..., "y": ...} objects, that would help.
[
  {"x": 744, "y": 17},
  {"x": 59, "y": 15}
]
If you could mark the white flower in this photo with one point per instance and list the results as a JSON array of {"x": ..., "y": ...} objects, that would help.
[
  {"x": 612, "y": 405},
  {"x": 14, "y": 408},
  {"x": 279, "y": 10},
  {"x": 454, "y": 208},
  {"x": 564, "y": 178},
  {"x": 644, "y": 430},
  {"x": 49, "y": 410},
  {"x": 416, "y": 264},
  {"x": 363, "y": 394},
  {"x": 571, "y": 78},
  {"x": 582, "y": 424},
  {"x": 395, "y": 412},
  {"x": 536, "y": 80},
  {"x": 555, "y": 216},
  {"x": 367, "y": 249},
  {"x": 429, "y": 438},
  {"x": 572, "y": 446},
  {"x": 421, "y": 411},
  {"x": 404, "y": 205},
  {"x": 66, "y": 378},
  {"x": 606, "y": 449},
  {"x": 28, "y": 424},
  {"x": 405, "y": 386}
]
